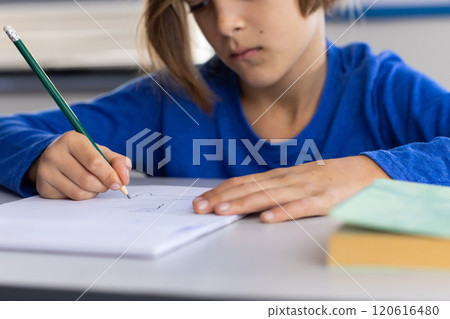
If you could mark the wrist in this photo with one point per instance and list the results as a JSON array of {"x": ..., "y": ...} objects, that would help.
[
  {"x": 31, "y": 174},
  {"x": 376, "y": 172}
]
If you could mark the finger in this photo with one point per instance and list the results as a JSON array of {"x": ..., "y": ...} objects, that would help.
[
  {"x": 74, "y": 171},
  {"x": 121, "y": 164},
  {"x": 243, "y": 186},
  {"x": 266, "y": 198},
  {"x": 235, "y": 181},
  {"x": 258, "y": 201},
  {"x": 206, "y": 202},
  {"x": 308, "y": 206},
  {"x": 240, "y": 199},
  {"x": 46, "y": 190},
  {"x": 61, "y": 187},
  {"x": 72, "y": 190},
  {"x": 94, "y": 162}
]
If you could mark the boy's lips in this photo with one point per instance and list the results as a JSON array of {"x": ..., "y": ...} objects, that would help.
[{"x": 244, "y": 53}]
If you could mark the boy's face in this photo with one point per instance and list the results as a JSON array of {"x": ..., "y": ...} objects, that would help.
[{"x": 266, "y": 42}]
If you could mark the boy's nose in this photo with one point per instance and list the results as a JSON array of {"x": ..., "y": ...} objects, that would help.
[{"x": 229, "y": 17}]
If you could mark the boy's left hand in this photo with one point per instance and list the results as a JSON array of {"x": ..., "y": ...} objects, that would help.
[{"x": 291, "y": 192}]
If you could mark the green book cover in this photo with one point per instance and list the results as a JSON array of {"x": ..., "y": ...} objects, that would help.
[{"x": 398, "y": 206}]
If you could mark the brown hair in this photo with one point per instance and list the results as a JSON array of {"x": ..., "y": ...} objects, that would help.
[{"x": 166, "y": 34}]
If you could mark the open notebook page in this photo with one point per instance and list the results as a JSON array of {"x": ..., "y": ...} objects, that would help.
[{"x": 156, "y": 220}]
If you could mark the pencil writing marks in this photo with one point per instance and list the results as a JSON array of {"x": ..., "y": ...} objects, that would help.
[
  {"x": 144, "y": 195},
  {"x": 146, "y": 209},
  {"x": 141, "y": 195}
]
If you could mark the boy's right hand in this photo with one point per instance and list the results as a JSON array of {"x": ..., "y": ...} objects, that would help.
[{"x": 71, "y": 167}]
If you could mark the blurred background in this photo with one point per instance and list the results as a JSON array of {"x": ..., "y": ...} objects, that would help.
[{"x": 89, "y": 46}]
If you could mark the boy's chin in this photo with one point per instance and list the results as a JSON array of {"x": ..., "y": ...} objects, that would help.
[{"x": 259, "y": 81}]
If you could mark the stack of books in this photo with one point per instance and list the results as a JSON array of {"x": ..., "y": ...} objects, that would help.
[{"x": 393, "y": 224}]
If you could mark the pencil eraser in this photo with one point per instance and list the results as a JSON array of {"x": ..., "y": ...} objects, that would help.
[{"x": 12, "y": 34}]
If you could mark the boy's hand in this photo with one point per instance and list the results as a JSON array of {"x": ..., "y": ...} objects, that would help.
[
  {"x": 301, "y": 191},
  {"x": 71, "y": 167}
]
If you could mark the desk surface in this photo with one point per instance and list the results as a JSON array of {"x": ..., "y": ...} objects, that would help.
[{"x": 246, "y": 260}]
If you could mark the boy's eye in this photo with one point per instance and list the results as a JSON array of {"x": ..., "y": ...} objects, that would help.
[{"x": 199, "y": 6}]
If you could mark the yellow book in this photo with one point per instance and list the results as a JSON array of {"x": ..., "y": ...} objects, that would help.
[{"x": 354, "y": 246}]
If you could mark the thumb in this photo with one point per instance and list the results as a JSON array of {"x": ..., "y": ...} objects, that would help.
[{"x": 121, "y": 164}]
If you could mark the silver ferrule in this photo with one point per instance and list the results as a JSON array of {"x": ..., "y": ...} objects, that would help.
[{"x": 12, "y": 34}]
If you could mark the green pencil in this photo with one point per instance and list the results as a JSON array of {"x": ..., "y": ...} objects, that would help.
[{"x": 57, "y": 97}]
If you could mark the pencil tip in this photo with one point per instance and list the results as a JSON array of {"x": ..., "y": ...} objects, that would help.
[{"x": 128, "y": 196}]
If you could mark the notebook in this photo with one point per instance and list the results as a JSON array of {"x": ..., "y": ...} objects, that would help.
[
  {"x": 399, "y": 206},
  {"x": 155, "y": 221}
]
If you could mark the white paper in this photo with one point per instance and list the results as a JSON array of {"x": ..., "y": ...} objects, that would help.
[{"x": 155, "y": 220}]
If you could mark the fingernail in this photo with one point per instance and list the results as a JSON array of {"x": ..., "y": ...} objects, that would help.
[
  {"x": 197, "y": 199},
  {"x": 115, "y": 187},
  {"x": 201, "y": 203},
  {"x": 127, "y": 172},
  {"x": 223, "y": 207},
  {"x": 268, "y": 216}
]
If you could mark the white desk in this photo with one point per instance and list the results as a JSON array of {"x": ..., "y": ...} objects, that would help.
[{"x": 246, "y": 260}]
